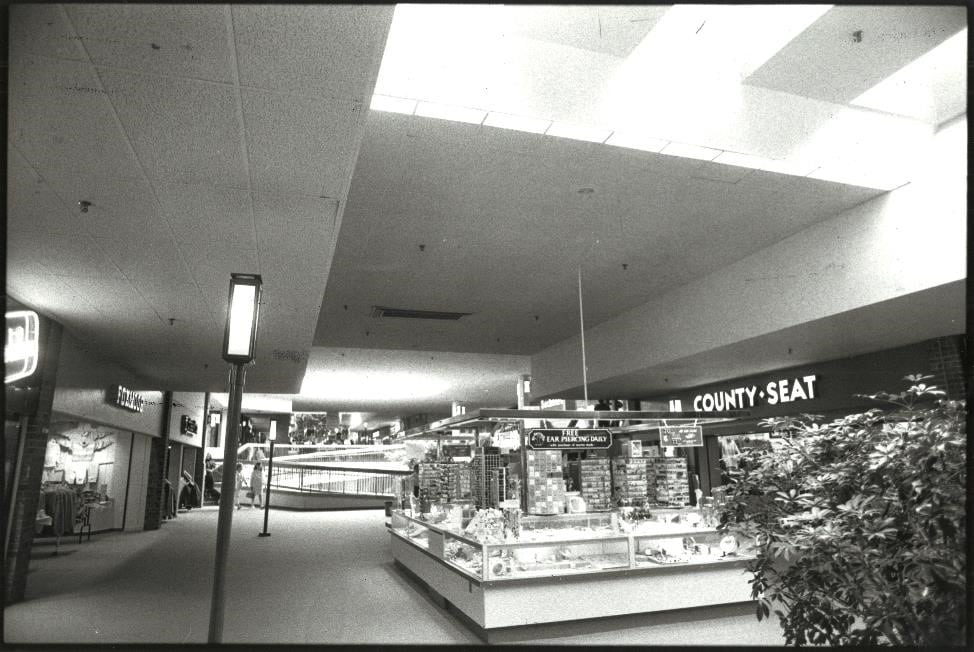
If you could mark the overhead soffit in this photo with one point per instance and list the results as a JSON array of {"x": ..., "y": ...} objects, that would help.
[
  {"x": 828, "y": 62},
  {"x": 200, "y": 157},
  {"x": 506, "y": 228},
  {"x": 937, "y": 312}
]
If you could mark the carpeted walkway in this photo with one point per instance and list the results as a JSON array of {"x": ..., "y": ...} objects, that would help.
[{"x": 321, "y": 577}]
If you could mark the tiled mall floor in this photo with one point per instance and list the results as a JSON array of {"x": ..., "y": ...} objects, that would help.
[{"x": 321, "y": 578}]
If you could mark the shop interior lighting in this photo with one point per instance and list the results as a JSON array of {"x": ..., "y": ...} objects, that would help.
[
  {"x": 918, "y": 88},
  {"x": 578, "y": 132},
  {"x": 632, "y": 140},
  {"x": 517, "y": 122},
  {"x": 450, "y": 112},
  {"x": 392, "y": 104},
  {"x": 686, "y": 150}
]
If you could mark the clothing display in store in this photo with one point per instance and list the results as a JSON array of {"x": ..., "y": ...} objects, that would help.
[
  {"x": 61, "y": 504},
  {"x": 188, "y": 492}
]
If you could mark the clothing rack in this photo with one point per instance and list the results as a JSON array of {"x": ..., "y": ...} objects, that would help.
[{"x": 61, "y": 504}]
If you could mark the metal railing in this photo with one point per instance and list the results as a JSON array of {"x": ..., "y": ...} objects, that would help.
[
  {"x": 335, "y": 469},
  {"x": 340, "y": 479}
]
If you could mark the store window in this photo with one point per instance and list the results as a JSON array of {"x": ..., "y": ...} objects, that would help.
[{"x": 92, "y": 461}]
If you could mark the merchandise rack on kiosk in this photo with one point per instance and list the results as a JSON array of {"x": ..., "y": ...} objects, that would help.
[{"x": 568, "y": 567}]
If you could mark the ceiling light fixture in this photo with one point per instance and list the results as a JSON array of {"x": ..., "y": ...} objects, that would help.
[
  {"x": 578, "y": 132},
  {"x": 516, "y": 122},
  {"x": 392, "y": 104},
  {"x": 631, "y": 140},
  {"x": 450, "y": 112},
  {"x": 685, "y": 150}
]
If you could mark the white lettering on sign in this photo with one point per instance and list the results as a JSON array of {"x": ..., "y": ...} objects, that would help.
[
  {"x": 21, "y": 349},
  {"x": 785, "y": 390}
]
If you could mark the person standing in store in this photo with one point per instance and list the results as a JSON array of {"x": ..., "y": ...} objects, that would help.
[
  {"x": 256, "y": 485},
  {"x": 237, "y": 490}
]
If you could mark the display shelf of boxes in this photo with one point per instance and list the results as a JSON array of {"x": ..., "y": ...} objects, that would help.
[
  {"x": 443, "y": 480},
  {"x": 545, "y": 482},
  {"x": 551, "y": 572},
  {"x": 485, "y": 473},
  {"x": 596, "y": 485},
  {"x": 672, "y": 481},
  {"x": 629, "y": 479}
]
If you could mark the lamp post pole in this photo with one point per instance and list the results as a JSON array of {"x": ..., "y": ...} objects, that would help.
[
  {"x": 227, "y": 490},
  {"x": 239, "y": 344},
  {"x": 272, "y": 435}
]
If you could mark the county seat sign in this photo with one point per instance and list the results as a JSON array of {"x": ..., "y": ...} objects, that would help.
[{"x": 558, "y": 438}]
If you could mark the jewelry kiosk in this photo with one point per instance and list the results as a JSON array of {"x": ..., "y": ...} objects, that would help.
[{"x": 566, "y": 567}]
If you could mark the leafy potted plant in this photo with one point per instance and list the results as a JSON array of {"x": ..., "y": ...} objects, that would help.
[{"x": 860, "y": 523}]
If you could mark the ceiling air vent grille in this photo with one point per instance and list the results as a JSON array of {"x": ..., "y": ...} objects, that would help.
[{"x": 406, "y": 313}]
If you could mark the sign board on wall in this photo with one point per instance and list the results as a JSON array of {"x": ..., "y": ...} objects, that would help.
[
  {"x": 187, "y": 425},
  {"x": 681, "y": 436},
  {"x": 774, "y": 392},
  {"x": 125, "y": 398},
  {"x": 21, "y": 348},
  {"x": 561, "y": 438}
]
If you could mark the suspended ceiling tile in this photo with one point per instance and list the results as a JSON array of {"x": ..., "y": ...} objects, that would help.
[
  {"x": 826, "y": 61},
  {"x": 183, "y": 130},
  {"x": 180, "y": 40},
  {"x": 328, "y": 50},
  {"x": 182, "y": 302},
  {"x": 300, "y": 144},
  {"x": 206, "y": 212},
  {"x": 41, "y": 29},
  {"x": 112, "y": 296},
  {"x": 31, "y": 205},
  {"x": 55, "y": 140},
  {"x": 47, "y": 294},
  {"x": 148, "y": 261},
  {"x": 294, "y": 224},
  {"x": 75, "y": 255},
  {"x": 605, "y": 29},
  {"x": 120, "y": 208}
]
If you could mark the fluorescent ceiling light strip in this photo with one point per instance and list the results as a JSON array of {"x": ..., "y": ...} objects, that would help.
[
  {"x": 632, "y": 140},
  {"x": 392, "y": 104},
  {"x": 685, "y": 150},
  {"x": 578, "y": 132},
  {"x": 863, "y": 179},
  {"x": 451, "y": 112},
  {"x": 742, "y": 160},
  {"x": 793, "y": 168},
  {"x": 516, "y": 122}
]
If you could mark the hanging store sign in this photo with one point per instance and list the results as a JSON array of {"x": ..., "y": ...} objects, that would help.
[
  {"x": 557, "y": 438},
  {"x": 126, "y": 398},
  {"x": 22, "y": 346},
  {"x": 681, "y": 435},
  {"x": 456, "y": 450}
]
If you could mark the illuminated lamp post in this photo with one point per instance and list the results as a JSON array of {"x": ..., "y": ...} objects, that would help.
[
  {"x": 271, "y": 436},
  {"x": 239, "y": 343}
]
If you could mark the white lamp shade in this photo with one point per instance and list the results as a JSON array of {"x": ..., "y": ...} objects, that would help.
[
  {"x": 242, "y": 312},
  {"x": 272, "y": 435}
]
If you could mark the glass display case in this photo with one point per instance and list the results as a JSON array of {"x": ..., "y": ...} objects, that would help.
[{"x": 568, "y": 544}]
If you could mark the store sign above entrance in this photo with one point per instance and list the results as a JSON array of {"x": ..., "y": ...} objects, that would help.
[
  {"x": 556, "y": 438},
  {"x": 21, "y": 348},
  {"x": 126, "y": 398},
  {"x": 681, "y": 436},
  {"x": 784, "y": 390}
]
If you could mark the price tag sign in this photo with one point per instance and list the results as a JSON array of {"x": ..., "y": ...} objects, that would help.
[{"x": 681, "y": 436}]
